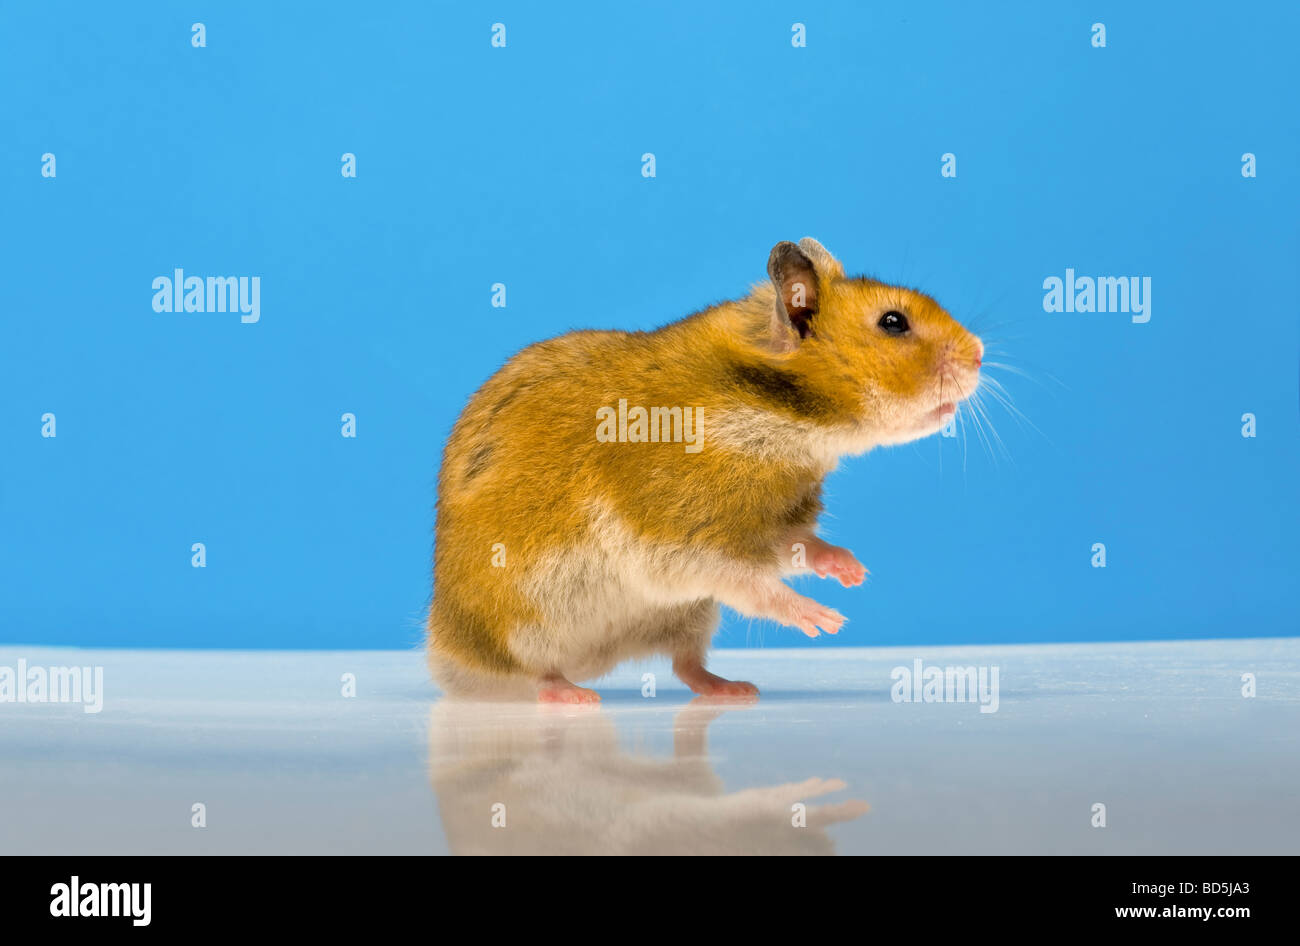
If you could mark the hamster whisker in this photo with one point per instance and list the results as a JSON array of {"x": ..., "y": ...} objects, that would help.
[
  {"x": 1003, "y": 397},
  {"x": 999, "y": 394},
  {"x": 941, "y": 380},
  {"x": 977, "y": 400},
  {"x": 977, "y": 415},
  {"x": 993, "y": 431},
  {"x": 996, "y": 344},
  {"x": 975, "y": 420},
  {"x": 978, "y": 311},
  {"x": 984, "y": 330},
  {"x": 965, "y": 438},
  {"x": 1003, "y": 366},
  {"x": 958, "y": 413},
  {"x": 977, "y": 325},
  {"x": 979, "y": 432}
]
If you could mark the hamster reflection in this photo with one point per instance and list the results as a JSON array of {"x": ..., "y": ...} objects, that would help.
[{"x": 559, "y": 783}]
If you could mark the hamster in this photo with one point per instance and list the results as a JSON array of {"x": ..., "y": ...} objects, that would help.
[{"x": 604, "y": 492}]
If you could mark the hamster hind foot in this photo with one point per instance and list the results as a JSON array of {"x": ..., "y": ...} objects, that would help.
[
  {"x": 690, "y": 670},
  {"x": 553, "y": 688}
]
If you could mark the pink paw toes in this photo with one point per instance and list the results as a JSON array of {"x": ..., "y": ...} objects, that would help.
[
  {"x": 809, "y": 616},
  {"x": 567, "y": 694},
  {"x": 728, "y": 689},
  {"x": 841, "y": 564}
]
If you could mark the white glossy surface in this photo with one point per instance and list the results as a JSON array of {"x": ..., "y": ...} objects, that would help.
[{"x": 1158, "y": 732}]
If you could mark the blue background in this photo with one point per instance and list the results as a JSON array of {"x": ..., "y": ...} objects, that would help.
[{"x": 479, "y": 165}]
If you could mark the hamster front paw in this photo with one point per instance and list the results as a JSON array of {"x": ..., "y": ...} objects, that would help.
[
  {"x": 768, "y": 597},
  {"x": 833, "y": 561},
  {"x": 807, "y": 615}
]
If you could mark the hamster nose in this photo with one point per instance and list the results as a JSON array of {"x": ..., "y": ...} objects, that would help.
[{"x": 979, "y": 353}]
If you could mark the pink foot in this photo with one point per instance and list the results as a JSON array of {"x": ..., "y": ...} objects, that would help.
[
  {"x": 710, "y": 684},
  {"x": 556, "y": 689},
  {"x": 832, "y": 561},
  {"x": 807, "y": 615}
]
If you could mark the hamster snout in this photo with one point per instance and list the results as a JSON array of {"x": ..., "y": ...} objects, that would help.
[
  {"x": 960, "y": 365},
  {"x": 958, "y": 376}
]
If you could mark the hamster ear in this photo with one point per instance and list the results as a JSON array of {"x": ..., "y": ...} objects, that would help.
[
  {"x": 795, "y": 279},
  {"x": 826, "y": 264}
]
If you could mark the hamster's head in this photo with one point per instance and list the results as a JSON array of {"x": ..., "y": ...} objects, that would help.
[{"x": 895, "y": 360}]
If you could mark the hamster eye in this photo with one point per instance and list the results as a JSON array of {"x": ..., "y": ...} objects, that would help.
[{"x": 894, "y": 323}]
